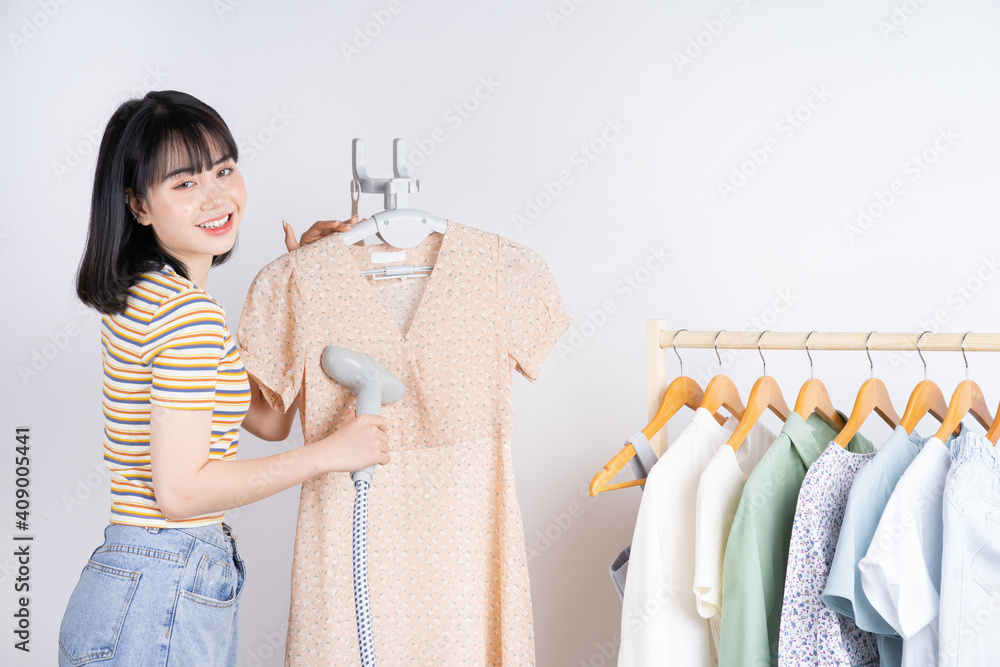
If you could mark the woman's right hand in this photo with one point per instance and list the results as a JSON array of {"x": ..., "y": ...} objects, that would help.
[
  {"x": 359, "y": 442},
  {"x": 317, "y": 231}
]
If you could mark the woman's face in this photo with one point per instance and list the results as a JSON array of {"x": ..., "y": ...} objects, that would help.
[{"x": 195, "y": 216}]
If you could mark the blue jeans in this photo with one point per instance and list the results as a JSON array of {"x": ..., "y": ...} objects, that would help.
[
  {"x": 969, "y": 620},
  {"x": 156, "y": 597}
]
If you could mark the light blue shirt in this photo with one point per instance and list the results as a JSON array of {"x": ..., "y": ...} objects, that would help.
[{"x": 869, "y": 495}]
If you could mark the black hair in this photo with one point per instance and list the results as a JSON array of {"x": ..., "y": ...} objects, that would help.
[{"x": 144, "y": 140}]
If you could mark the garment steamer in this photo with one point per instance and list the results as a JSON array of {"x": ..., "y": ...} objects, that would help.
[
  {"x": 374, "y": 385},
  {"x": 400, "y": 227}
]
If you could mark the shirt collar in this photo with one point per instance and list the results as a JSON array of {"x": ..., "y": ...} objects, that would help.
[
  {"x": 900, "y": 436},
  {"x": 703, "y": 419},
  {"x": 962, "y": 431},
  {"x": 808, "y": 437},
  {"x": 811, "y": 436},
  {"x": 916, "y": 439}
]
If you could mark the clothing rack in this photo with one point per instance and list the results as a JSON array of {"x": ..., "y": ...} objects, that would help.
[{"x": 658, "y": 338}]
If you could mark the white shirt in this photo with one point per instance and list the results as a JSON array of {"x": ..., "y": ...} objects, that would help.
[
  {"x": 719, "y": 491},
  {"x": 901, "y": 573},
  {"x": 660, "y": 623}
]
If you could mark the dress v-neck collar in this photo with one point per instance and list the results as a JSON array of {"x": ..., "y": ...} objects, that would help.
[{"x": 366, "y": 285}]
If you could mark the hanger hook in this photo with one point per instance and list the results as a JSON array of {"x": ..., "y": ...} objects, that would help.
[
  {"x": 964, "y": 358},
  {"x": 762, "y": 359},
  {"x": 809, "y": 355},
  {"x": 715, "y": 344},
  {"x": 673, "y": 344},
  {"x": 921, "y": 354},
  {"x": 871, "y": 364}
]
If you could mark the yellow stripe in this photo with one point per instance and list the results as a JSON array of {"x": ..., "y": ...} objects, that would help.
[{"x": 128, "y": 385}]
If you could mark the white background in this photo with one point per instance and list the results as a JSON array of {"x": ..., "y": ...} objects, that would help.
[{"x": 684, "y": 93}]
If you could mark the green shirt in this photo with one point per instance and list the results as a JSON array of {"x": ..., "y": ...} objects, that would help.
[{"x": 753, "y": 578}]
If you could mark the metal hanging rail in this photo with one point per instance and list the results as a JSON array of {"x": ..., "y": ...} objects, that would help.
[
  {"x": 658, "y": 338},
  {"x": 784, "y": 340}
]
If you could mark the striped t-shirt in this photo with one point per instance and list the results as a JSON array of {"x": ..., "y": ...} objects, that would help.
[{"x": 169, "y": 346}]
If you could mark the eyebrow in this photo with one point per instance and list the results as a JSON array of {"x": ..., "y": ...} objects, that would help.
[{"x": 190, "y": 170}]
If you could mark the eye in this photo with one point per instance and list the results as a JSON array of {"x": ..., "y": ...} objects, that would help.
[
  {"x": 184, "y": 185},
  {"x": 225, "y": 171}
]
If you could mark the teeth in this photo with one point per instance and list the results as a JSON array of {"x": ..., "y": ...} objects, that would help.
[{"x": 215, "y": 223}]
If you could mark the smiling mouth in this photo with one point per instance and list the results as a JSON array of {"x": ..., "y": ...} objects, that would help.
[{"x": 215, "y": 224}]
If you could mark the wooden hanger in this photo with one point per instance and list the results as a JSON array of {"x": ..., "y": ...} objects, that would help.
[
  {"x": 872, "y": 397},
  {"x": 813, "y": 397},
  {"x": 968, "y": 398},
  {"x": 721, "y": 391},
  {"x": 682, "y": 391},
  {"x": 766, "y": 394},
  {"x": 994, "y": 433},
  {"x": 926, "y": 397}
]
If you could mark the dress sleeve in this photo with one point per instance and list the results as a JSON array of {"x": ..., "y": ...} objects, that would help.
[
  {"x": 531, "y": 307},
  {"x": 183, "y": 347},
  {"x": 270, "y": 340}
]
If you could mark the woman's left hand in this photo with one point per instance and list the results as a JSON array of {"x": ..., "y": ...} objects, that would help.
[{"x": 316, "y": 232}]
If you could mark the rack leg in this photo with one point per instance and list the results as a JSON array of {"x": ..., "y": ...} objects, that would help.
[{"x": 656, "y": 379}]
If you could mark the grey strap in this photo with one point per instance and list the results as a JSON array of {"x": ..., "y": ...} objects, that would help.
[
  {"x": 641, "y": 463},
  {"x": 644, "y": 457},
  {"x": 619, "y": 570}
]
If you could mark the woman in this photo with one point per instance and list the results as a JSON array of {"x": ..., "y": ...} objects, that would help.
[{"x": 164, "y": 587}]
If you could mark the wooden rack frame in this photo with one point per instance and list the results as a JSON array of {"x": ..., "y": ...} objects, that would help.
[{"x": 658, "y": 338}]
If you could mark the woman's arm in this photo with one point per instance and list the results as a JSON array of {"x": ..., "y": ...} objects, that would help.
[
  {"x": 186, "y": 483},
  {"x": 264, "y": 421}
]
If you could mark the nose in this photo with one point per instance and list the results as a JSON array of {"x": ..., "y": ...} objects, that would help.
[{"x": 212, "y": 194}]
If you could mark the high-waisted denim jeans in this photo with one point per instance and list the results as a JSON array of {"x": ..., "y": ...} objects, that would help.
[
  {"x": 156, "y": 597},
  {"x": 969, "y": 619}
]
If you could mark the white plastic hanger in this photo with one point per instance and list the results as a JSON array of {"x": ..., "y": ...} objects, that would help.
[{"x": 397, "y": 225}]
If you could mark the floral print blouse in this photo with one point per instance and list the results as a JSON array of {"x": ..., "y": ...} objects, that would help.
[{"x": 811, "y": 633}]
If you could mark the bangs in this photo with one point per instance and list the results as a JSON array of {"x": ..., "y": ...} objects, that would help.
[
  {"x": 177, "y": 142},
  {"x": 145, "y": 140}
]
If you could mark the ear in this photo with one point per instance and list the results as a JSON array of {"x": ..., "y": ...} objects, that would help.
[{"x": 137, "y": 207}]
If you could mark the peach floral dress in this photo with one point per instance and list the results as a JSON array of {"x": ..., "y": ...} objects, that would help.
[{"x": 449, "y": 577}]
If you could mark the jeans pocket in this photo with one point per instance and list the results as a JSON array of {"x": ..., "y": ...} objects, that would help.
[
  {"x": 985, "y": 566},
  {"x": 205, "y": 627},
  {"x": 214, "y": 580},
  {"x": 204, "y": 631},
  {"x": 95, "y": 613}
]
